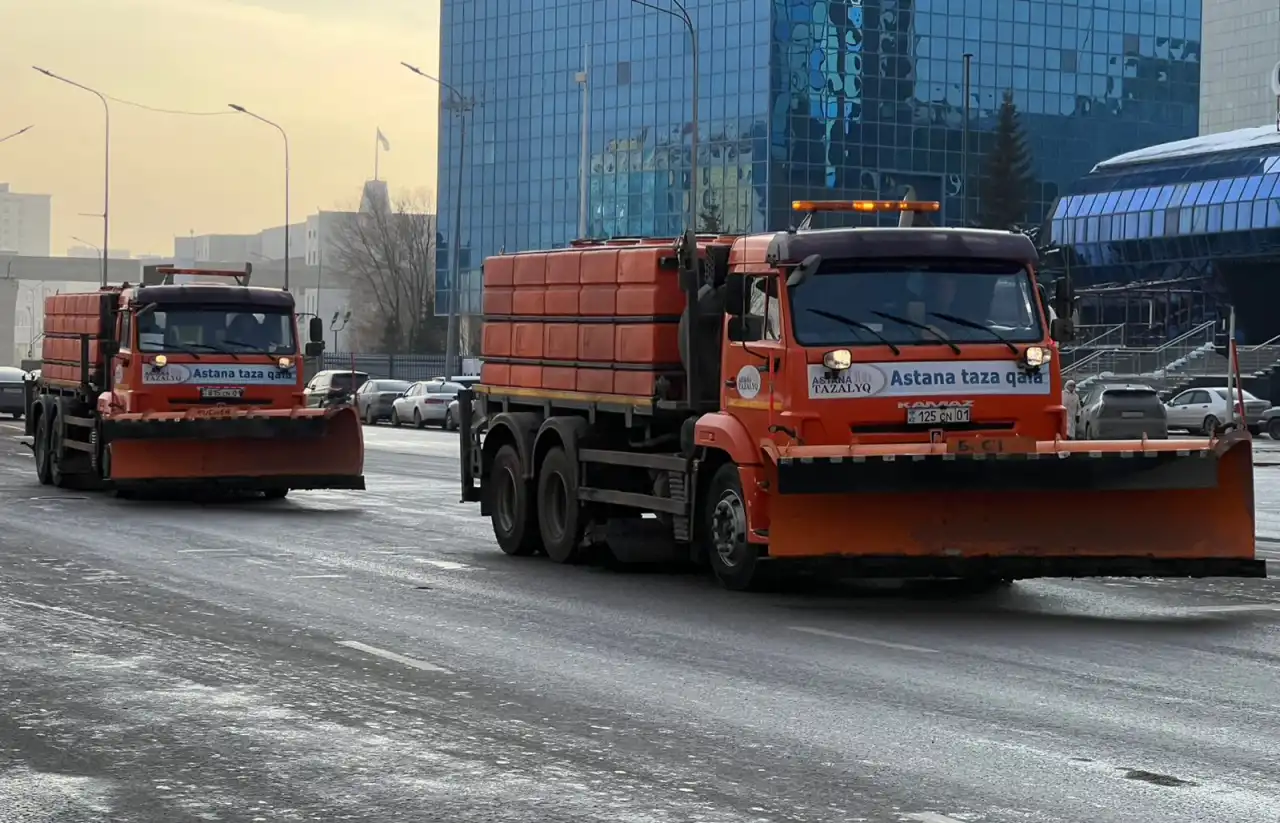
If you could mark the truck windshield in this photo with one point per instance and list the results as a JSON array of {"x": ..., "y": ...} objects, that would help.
[
  {"x": 889, "y": 301},
  {"x": 237, "y": 330}
]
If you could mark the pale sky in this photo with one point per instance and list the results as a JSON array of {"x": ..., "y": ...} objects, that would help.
[{"x": 328, "y": 71}]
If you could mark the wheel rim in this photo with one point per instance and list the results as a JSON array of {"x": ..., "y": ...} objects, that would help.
[
  {"x": 417, "y": 418},
  {"x": 448, "y": 420},
  {"x": 506, "y": 500},
  {"x": 729, "y": 528},
  {"x": 555, "y": 505}
]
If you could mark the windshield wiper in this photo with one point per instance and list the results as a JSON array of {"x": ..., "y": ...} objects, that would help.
[
  {"x": 185, "y": 348},
  {"x": 856, "y": 324},
  {"x": 971, "y": 324},
  {"x": 913, "y": 324},
  {"x": 212, "y": 347}
]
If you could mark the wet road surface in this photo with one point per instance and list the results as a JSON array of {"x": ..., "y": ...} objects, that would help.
[{"x": 373, "y": 657}]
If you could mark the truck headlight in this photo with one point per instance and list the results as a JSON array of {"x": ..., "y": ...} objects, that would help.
[
  {"x": 160, "y": 361},
  {"x": 1034, "y": 357},
  {"x": 838, "y": 360},
  {"x": 284, "y": 363}
]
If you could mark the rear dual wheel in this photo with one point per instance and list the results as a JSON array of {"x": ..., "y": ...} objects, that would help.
[
  {"x": 515, "y": 522},
  {"x": 544, "y": 514},
  {"x": 40, "y": 448}
]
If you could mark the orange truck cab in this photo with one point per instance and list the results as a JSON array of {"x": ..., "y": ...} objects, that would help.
[
  {"x": 199, "y": 384},
  {"x": 872, "y": 402}
]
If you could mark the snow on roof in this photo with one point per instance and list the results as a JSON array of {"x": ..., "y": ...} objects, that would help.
[{"x": 1259, "y": 136}]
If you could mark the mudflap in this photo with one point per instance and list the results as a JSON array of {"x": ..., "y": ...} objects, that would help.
[
  {"x": 293, "y": 453},
  {"x": 1184, "y": 513}
]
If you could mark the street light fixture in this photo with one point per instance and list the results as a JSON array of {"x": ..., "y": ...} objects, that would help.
[
  {"x": 16, "y": 133},
  {"x": 682, "y": 14},
  {"x": 106, "y": 163},
  {"x": 278, "y": 128},
  {"x": 87, "y": 243},
  {"x": 460, "y": 106}
]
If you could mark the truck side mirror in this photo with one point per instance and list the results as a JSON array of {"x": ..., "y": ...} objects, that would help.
[
  {"x": 735, "y": 295},
  {"x": 316, "y": 330},
  {"x": 1062, "y": 329},
  {"x": 313, "y": 349},
  {"x": 1063, "y": 299}
]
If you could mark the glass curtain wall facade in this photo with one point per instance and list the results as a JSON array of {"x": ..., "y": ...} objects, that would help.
[
  {"x": 832, "y": 99},
  {"x": 1182, "y": 222}
]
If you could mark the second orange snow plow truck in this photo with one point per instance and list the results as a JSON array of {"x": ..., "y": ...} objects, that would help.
[
  {"x": 197, "y": 385},
  {"x": 878, "y": 402}
]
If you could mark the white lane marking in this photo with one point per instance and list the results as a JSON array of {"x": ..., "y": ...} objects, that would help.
[
  {"x": 317, "y": 576},
  {"x": 447, "y": 565},
  {"x": 867, "y": 640},
  {"x": 398, "y": 658},
  {"x": 932, "y": 817}
]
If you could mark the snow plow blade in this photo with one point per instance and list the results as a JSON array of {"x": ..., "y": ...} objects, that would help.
[
  {"x": 244, "y": 451},
  {"x": 1019, "y": 509}
]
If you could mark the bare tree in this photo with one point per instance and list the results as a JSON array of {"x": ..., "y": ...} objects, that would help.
[{"x": 387, "y": 252}]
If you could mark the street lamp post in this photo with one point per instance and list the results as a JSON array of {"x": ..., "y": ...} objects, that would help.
[
  {"x": 16, "y": 133},
  {"x": 460, "y": 106},
  {"x": 106, "y": 163},
  {"x": 278, "y": 128},
  {"x": 682, "y": 14}
]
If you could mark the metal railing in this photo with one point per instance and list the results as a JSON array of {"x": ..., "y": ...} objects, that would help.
[{"x": 1120, "y": 360}]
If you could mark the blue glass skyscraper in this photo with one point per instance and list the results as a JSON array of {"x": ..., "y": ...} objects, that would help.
[{"x": 799, "y": 99}]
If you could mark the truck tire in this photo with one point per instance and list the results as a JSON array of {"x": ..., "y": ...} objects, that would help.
[
  {"x": 733, "y": 560},
  {"x": 559, "y": 512},
  {"x": 40, "y": 449},
  {"x": 57, "y": 456},
  {"x": 515, "y": 522}
]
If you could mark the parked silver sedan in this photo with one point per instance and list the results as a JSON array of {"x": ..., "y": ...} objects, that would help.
[
  {"x": 13, "y": 393},
  {"x": 1122, "y": 411},
  {"x": 1204, "y": 409}
]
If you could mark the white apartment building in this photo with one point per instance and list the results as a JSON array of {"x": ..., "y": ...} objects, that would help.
[
  {"x": 24, "y": 223},
  {"x": 1240, "y": 46}
]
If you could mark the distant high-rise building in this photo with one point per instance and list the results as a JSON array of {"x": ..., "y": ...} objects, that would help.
[
  {"x": 799, "y": 99},
  {"x": 1241, "y": 47},
  {"x": 24, "y": 223}
]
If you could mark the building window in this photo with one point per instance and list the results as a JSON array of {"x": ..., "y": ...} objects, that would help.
[
  {"x": 624, "y": 73},
  {"x": 1068, "y": 59}
]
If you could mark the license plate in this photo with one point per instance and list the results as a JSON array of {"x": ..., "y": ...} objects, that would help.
[
  {"x": 221, "y": 392},
  {"x": 937, "y": 415},
  {"x": 214, "y": 412},
  {"x": 1130, "y": 415},
  {"x": 13, "y": 392}
]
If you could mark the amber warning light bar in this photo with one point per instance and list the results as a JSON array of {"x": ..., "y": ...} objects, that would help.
[{"x": 812, "y": 206}]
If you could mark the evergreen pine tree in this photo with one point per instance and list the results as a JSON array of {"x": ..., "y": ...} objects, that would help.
[{"x": 1006, "y": 182}]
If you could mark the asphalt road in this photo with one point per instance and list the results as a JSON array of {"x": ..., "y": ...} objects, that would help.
[{"x": 373, "y": 657}]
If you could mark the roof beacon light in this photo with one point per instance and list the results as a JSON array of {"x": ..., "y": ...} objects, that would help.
[{"x": 812, "y": 206}]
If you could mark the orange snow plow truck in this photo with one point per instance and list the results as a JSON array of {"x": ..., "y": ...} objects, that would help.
[
  {"x": 194, "y": 385},
  {"x": 865, "y": 402}
]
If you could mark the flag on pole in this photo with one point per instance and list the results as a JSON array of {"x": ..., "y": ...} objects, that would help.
[{"x": 382, "y": 141}]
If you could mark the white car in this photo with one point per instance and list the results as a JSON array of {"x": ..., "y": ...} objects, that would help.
[
  {"x": 426, "y": 402},
  {"x": 1204, "y": 409}
]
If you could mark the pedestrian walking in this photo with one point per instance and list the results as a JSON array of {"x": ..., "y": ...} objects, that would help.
[{"x": 1071, "y": 400}]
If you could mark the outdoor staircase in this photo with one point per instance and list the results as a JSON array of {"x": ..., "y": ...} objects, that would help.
[{"x": 1188, "y": 360}]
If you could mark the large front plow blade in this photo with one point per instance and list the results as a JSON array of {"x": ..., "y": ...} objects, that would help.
[
  {"x": 254, "y": 452},
  {"x": 1057, "y": 509}
]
